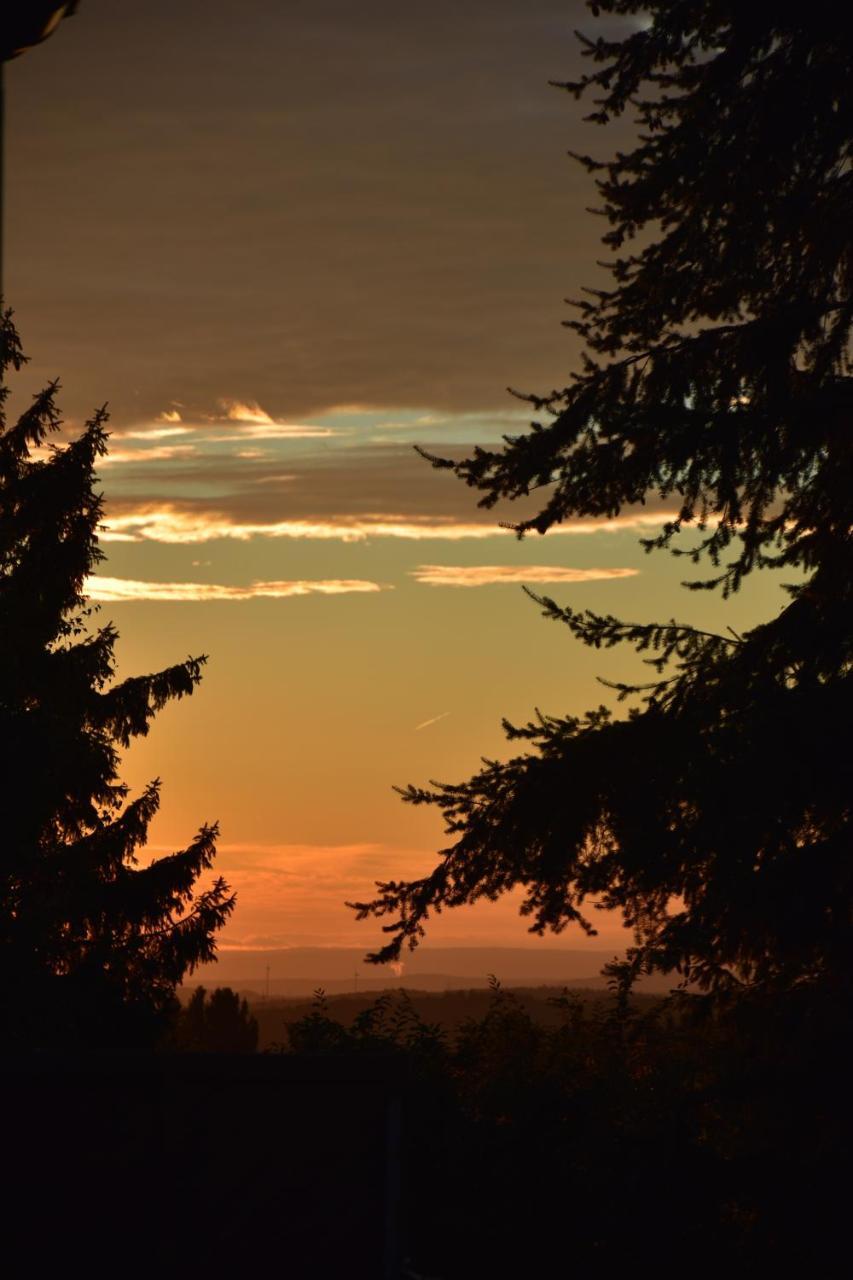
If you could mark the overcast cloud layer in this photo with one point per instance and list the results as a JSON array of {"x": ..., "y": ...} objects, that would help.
[{"x": 304, "y": 204}]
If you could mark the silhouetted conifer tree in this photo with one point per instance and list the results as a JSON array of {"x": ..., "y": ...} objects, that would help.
[
  {"x": 218, "y": 1023},
  {"x": 717, "y": 382},
  {"x": 92, "y": 944}
]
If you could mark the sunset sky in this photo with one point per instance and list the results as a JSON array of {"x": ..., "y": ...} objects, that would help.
[{"x": 285, "y": 241}]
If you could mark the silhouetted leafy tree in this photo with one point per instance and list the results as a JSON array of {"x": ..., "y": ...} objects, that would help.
[
  {"x": 92, "y": 944},
  {"x": 389, "y": 1023},
  {"x": 716, "y": 382},
  {"x": 219, "y": 1023}
]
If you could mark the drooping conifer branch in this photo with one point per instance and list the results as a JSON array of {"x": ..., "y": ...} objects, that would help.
[{"x": 716, "y": 383}]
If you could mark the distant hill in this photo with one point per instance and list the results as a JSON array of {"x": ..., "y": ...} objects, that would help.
[
  {"x": 300, "y": 970},
  {"x": 446, "y": 1008}
]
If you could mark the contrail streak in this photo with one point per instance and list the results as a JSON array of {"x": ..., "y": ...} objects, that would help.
[{"x": 435, "y": 719}]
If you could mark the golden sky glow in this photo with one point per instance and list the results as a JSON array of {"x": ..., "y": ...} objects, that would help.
[{"x": 279, "y": 290}]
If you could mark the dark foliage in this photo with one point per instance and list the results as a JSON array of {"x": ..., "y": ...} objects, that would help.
[
  {"x": 92, "y": 944},
  {"x": 664, "y": 1130},
  {"x": 27, "y": 22},
  {"x": 717, "y": 384},
  {"x": 218, "y": 1023}
]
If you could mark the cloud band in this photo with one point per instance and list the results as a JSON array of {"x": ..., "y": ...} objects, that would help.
[
  {"x": 125, "y": 590},
  {"x": 483, "y": 575}
]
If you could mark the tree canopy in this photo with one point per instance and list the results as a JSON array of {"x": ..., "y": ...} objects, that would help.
[
  {"x": 217, "y": 1023},
  {"x": 715, "y": 382},
  {"x": 92, "y": 942}
]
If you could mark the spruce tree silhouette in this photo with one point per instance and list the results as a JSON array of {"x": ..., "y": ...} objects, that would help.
[
  {"x": 92, "y": 946},
  {"x": 716, "y": 381},
  {"x": 217, "y": 1023}
]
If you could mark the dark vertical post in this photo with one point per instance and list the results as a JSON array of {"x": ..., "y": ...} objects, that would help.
[{"x": 393, "y": 1138}]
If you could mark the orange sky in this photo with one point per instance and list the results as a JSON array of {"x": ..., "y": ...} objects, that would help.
[{"x": 285, "y": 242}]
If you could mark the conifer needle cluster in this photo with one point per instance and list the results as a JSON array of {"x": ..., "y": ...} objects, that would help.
[{"x": 716, "y": 381}]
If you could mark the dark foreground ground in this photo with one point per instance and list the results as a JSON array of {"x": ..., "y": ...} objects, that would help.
[
  {"x": 201, "y": 1165},
  {"x": 510, "y": 1134}
]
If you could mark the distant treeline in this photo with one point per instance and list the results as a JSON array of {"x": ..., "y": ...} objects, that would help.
[
  {"x": 215, "y": 1023},
  {"x": 445, "y": 1009}
]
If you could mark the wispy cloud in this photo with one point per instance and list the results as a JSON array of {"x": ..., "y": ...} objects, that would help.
[
  {"x": 482, "y": 575},
  {"x": 241, "y": 411},
  {"x": 170, "y": 523},
  {"x": 475, "y": 425},
  {"x": 234, "y": 420},
  {"x": 425, "y": 724},
  {"x": 153, "y": 433},
  {"x": 257, "y": 424},
  {"x": 125, "y": 590},
  {"x": 274, "y": 431},
  {"x": 288, "y": 891},
  {"x": 162, "y": 453}
]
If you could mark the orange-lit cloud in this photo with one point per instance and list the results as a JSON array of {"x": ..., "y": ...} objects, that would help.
[
  {"x": 238, "y": 411},
  {"x": 290, "y": 894},
  {"x": 294, "y": 894},
  {"x": 154, "y": 433},
  {"x": 482, "y": 575},
  {"x": 257, "y": 424},
  {"x": 254, "y": 424},
  {"x": 276, "y": 431},
  {"x": 169, "y": 523},
  {"x": 163, "y": 453},
  {"x": 124, "y": 590}
]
